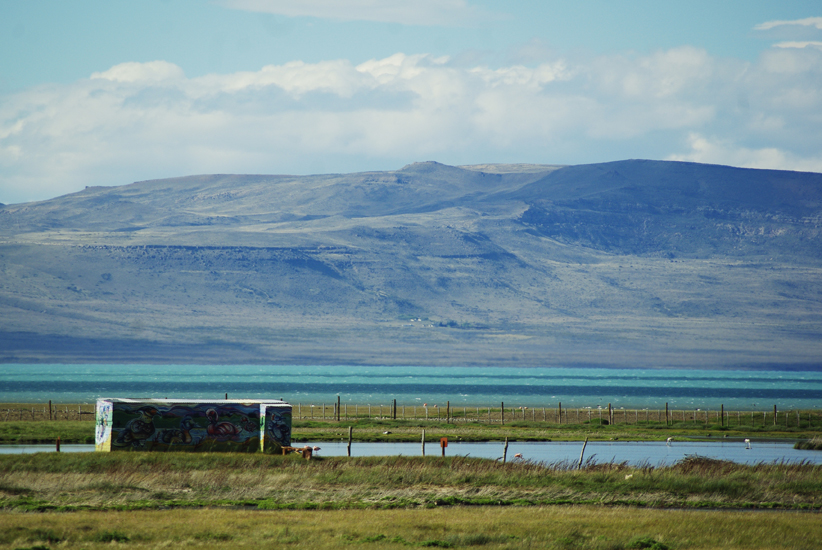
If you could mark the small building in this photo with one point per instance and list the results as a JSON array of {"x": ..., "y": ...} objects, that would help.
[{"x": 239, "y": 426}]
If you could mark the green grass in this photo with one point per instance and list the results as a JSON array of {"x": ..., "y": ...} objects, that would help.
[
  {"x": 44, "y": 431},
  {"x": 519, "y": 425},
  {"x": 210, "y": 500},
  {"x": 814, "y": 444},
  {"x": 553, "y": 528},
  {"x": 411, "y": 430},
  {"x": 372, "y": 430},
  {"x": 105, "y": 481}
]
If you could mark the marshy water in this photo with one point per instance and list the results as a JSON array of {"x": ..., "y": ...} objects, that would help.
[{"x": 635, "y": 453}]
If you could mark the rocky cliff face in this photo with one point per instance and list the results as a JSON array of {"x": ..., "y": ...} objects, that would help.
[{"x": 628, "y": 263}]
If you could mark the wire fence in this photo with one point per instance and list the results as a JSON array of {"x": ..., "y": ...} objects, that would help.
[
  {"x": 34, "y": 412},
  {"x": 555, "y": 414}
]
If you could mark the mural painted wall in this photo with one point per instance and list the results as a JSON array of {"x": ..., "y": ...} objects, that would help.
[
  {"x": 275, "y": 426},
  {"x": 183, "y": 425},
  {"x": 102, "y": 436}
]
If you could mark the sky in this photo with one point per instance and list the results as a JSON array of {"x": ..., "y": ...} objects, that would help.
[{"x": 111, "y": 92}]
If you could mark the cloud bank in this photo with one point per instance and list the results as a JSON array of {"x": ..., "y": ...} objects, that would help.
[
  {"x": 139, "y": 121},
  {"x": 815, "y": 22}
]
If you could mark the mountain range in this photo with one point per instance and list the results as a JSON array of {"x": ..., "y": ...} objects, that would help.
[{"x": 633, "y": 263}]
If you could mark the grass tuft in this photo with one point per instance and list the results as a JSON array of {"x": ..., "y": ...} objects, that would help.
[
  {"x": 814, "y": 444},
  {"x": 640, "y": 543},
  {"x": 110, "y": 536}
]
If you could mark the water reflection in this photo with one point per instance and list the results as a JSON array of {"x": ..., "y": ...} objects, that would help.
[
  {"x": 633, "y": 452},
  {"x": 655, "y": 453}
]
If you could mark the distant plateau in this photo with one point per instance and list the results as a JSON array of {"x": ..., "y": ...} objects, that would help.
[{"x": 633, "y": 263}]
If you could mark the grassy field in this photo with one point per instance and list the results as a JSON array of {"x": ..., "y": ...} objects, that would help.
[
  {"x": 82, "y": 431},
  {"x": 574, "y": 527},
  {"x": 211, "y": 500},
  {"x": 133, "y": 481}
]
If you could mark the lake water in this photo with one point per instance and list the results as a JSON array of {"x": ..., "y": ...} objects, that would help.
[
  {"x": 463, "y": 386},
  {"x": 635, "y": 453}
]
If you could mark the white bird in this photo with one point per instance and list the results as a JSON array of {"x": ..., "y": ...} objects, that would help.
[
  {"x": 747, "y": 443},
  {"x": 668, "y": 441}
]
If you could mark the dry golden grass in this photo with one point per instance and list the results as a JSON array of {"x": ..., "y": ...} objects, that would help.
[
  {"x": 578, "y": 527},
  {"x": 49, "y": 481}
]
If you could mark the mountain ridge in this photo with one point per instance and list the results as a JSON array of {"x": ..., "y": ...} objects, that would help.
[{"x": 645, "y": 263}]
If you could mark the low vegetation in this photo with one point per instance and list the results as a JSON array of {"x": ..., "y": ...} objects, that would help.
[
  {"x": 560, "y": 528},
  {"x": 106, "y": 481},
  {"x": 814, "y": 444},
  {"x": 370, "y": 430},
  {"x": 210, "y": 500}
]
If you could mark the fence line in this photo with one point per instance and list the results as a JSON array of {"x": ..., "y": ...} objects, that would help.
[
  {"x": 34, "y": 412},
  {"x": 489, "y": 415},
  {"x": 558, "y": 415}
]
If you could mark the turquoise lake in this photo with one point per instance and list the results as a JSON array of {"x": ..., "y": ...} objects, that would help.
[{"x": 462, "y": 386}]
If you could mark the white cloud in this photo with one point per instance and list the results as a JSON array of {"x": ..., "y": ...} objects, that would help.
[
  {"x": 799, "y": 44},
  {"x": 417, "y": 12},
  {"x": 727, "y": 152},
  {"x": 815, "y": 22},
  {"x": 153, "y": 71},
  {"x": 139, "y": 121}
]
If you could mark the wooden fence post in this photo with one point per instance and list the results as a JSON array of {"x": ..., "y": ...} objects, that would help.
[{"x": 582, "y": 452}]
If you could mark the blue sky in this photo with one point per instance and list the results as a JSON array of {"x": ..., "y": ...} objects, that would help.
[{"x": 106, "y": 93}]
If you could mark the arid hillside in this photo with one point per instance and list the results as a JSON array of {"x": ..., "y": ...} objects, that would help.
[{"x": 631, "y": 263}]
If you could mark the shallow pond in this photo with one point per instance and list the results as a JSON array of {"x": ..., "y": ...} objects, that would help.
[{"x": 633, "y": 452}]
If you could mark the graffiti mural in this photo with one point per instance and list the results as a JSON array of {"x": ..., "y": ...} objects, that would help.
[
  {"x": 180, "y": 425},
  {"x": 275, "y": 425},
  {"x": 102, "y": 436}
]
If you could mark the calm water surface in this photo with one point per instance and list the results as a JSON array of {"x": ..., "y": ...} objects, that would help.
[
  {"x": 635, "y": 453},
  {"x": 462, "y": 386}
]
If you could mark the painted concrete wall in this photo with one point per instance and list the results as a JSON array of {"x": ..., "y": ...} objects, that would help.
[
  {"x": 182, "y": 425},
  {"x": 275, "y": 426},
  {"x": 102, "y": 437}
]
